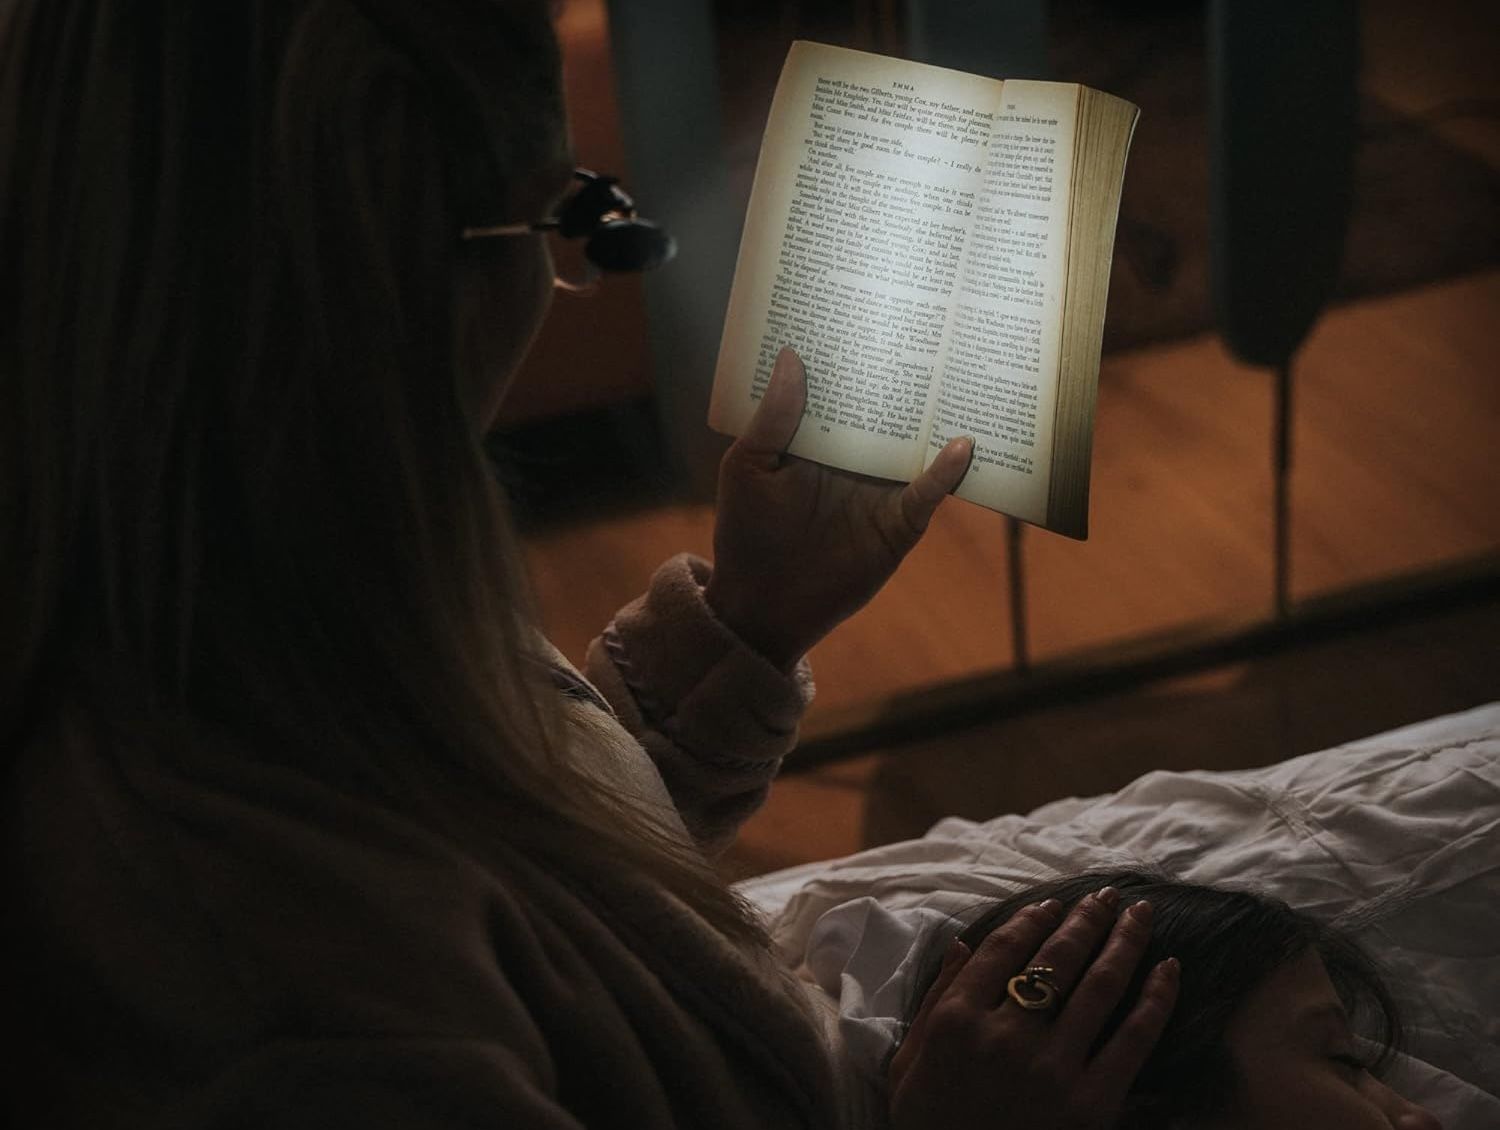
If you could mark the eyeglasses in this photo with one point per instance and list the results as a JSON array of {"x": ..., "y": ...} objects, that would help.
[{"x": 615, "y": 239}]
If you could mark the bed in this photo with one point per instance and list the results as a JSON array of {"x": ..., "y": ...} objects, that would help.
[{"x": 1395, "y": 837}]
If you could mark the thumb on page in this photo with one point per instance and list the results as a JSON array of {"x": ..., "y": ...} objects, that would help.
[
  {"x": 920, "y": 499},
  {"x": 780, "y": 410}
]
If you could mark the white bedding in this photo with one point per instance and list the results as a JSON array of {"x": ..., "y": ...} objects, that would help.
[{"x": 1396, "y": 837}]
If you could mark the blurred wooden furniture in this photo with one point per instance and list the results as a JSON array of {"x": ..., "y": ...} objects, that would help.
[
  {"x": 1283, "y": 129},
  {"x": 592, "y": 351}
]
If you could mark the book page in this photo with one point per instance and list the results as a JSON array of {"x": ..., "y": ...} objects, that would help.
[
  {"x": 861, "y": 209},
  {"x": 999, "y": 373}
]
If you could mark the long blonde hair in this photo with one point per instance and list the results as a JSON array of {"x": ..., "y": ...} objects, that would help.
[{"x": 240, "y": 459}]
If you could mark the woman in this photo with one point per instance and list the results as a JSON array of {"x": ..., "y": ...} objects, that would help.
[
  {"x": 306, "y": 823},
  {"x": 1263, "y": 1033}
]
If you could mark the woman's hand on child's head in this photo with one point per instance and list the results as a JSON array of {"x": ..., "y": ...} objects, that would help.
[
  {"x": 800, "y": 547},
  {"x": 975, "y": 1056}
]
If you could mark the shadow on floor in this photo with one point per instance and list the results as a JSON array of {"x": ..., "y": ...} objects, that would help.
[{"x": 1245, "y": 715}]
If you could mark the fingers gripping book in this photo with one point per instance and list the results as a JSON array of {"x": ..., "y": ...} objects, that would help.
[{"x": 936, "y": 246}]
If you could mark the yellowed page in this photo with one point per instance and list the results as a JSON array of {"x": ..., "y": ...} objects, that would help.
[
  {"x": 861, "y": 208},
  {"x": 999, "y": 368}
]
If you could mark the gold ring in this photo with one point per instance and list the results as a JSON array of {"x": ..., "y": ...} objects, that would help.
[{"x": 1031, "y": 990}]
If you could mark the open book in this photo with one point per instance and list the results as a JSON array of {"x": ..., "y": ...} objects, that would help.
[{"x": 936, "y": 247}]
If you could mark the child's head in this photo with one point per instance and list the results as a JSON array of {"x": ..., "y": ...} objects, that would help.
[{"x": 1264, "y": 1030}]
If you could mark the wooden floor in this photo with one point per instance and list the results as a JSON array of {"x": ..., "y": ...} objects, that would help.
[
  {"x": 1397, "y": 410},
  {"x": 1395, "y": 471},
  {"x": 1235, "y": 716}
]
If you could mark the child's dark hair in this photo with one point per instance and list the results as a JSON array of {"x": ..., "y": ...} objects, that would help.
[{"x": 1229, "y": 942}]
